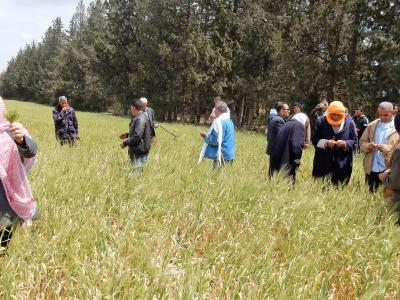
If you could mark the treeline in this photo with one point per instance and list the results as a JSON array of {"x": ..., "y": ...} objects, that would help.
[{"x": 181, "y": 53}]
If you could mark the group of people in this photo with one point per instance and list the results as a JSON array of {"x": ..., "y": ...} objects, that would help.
[{"x": 336, "y": 136}]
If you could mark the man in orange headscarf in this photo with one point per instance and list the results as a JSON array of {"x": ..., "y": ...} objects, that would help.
[{"x": 335, "y": 140}]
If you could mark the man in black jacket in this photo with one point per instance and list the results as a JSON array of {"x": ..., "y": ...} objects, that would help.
[
  {"x": 152, "y": 118},
  {"x": 277, "y": 122},
  {"x": 65, "y": 122},
  {"x": 139, "y": 137}
]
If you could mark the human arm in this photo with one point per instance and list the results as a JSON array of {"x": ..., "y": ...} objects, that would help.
[
  {"x": 366, "y": 145},
  {"x": 211, "y": 138},
  {"x": 75, "y": 122},
  {"x": 297, "y": 143},
  {"x": 392, "y": 180},
  {"x": 58, "y": 116},
  {"x": 135, "y": 138}
]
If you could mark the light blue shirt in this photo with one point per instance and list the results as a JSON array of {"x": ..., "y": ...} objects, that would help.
[{"x": 381, "y": 133}]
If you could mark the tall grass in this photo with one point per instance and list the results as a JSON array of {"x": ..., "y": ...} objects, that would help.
[{"x": 181, "y": 230}]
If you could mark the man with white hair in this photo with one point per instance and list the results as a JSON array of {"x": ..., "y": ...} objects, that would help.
[
  {"x": 217, "y": 101},
  {"x": 152, "y": 118},
  {"x": 219, "y": 141},
  {"x": 65, "y": 122},
  {"x": 376, "y": 143}
]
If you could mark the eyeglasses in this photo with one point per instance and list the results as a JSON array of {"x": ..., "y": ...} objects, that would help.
[{"x": 286, "y": 109}]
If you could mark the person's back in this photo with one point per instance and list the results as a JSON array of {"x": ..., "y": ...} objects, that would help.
[
  {"x": 273, "y": 129},
  {"x": 141, "y": 129}
]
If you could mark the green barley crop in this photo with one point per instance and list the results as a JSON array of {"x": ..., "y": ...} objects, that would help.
[{"x": 183, "y": 231}]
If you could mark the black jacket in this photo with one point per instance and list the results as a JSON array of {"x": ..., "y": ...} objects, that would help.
[
  {"x": 139, "y": 136},
  {"x": 152, "y": 119},
  {"x": 273, "y": 129},
  {"x": 65, "y": 122},
  {"x": 288, "y": 147}
]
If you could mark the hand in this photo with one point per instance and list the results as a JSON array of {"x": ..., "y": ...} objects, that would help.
[
  {"x": 341, "y": 144},
  {"x": 203, "y": 133},
  {"x": 122, "y": 145},
  {"x": 156, "y": 125},
  {"x": 371, "y": 146},
  {"x": 383, "y": 175},
  {"x": 123, "y": 136},
  {"x": 17, "y": 132},
  {"x": 64, "y": 108},
  {"x": 330, "y": 144},
  {"x": 380, "y": 147},
  {"x": 318, "y": 106}
]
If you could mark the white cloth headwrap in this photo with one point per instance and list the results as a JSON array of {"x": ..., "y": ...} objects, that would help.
[
  {"x": 217, "y": 126},
  {"x": 301, "y": 117}
]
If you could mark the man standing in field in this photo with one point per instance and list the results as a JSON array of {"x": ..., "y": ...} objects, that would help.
[
  {"x": 335, "y": 140},
  {"x": 361, "y": 122},
  {"x": 65, "y": 122},
  {"x": 219, "y": 142},
  {"x": 138, "y": 139},
  {"x": 277, "y": 122},
  {"x": 297, "y": 108},
  {"x": 376, "y": 143},
  {"x": 288, "y": 146},
  {"x": 152, "y": 118}
]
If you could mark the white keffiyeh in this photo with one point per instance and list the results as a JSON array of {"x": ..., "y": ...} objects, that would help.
[{"x": 217, "y": 126}]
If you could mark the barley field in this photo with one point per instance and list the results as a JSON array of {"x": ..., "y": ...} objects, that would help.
[{"x": 182, "y": 231}]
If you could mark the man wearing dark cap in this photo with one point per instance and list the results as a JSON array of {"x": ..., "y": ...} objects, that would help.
[{"x": 139, "y": 137}]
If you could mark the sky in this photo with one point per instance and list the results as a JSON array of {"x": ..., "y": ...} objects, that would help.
[{"x": 24, "y": 21}]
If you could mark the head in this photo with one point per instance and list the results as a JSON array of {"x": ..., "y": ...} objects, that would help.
[
  {"x": 324, "y": 105},
  {"x": 296, "y": 107},
  {"x": 395, "y": 110},
  {"x": 358, "y": 112},
  {"x": 136, "y": 107},
  {"x": 283, "y": 109},
  {"x": 385, "y": 111},
  {"x": 144, "y": 101},
  {"x": 221, "y": 108},
  {"x": 217, "y": 100},
  {"x": 336, "y": 113},
  {"x": 63, "y": 101}
]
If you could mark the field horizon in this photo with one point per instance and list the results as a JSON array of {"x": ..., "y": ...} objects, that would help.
[{"x": 181, "y": 230}]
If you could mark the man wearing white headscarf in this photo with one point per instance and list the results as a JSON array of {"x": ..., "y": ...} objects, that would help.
[
  {"x": 219, "y": 141},
  {"x": 288, "y": 146}
]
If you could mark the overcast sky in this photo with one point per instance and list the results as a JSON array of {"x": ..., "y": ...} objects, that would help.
[{"x": 23, "y": 21}]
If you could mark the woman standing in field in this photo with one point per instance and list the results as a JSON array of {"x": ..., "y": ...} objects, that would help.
[
  {"x": 17, "y": 156},
  {"x": 335, "y": 140}
]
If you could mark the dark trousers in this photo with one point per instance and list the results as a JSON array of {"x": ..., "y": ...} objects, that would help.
[
  {"x": 373, "y": 181},
  {"x": 5, "y": 236}
]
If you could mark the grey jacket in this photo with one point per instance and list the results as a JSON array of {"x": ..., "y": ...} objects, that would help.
[
  {"x": 139, "y": 136},
  {"x": 7, "y": 215},
  {"x": 392, "y": 181}
]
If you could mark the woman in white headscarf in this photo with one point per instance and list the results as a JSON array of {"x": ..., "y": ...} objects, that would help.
[
  {"x": 17, "y": 156},
  {"x": 288, "y": 146}
]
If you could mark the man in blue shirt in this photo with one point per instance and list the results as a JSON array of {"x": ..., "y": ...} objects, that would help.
[
  {"x": 376, "y": 143},
  {"x": 219, "y": 141}
]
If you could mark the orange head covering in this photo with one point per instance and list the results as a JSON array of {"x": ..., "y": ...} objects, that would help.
[{"x": 336, "y": 107}]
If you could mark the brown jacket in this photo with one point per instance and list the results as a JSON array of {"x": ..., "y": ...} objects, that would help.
[{"x": 368, "y": 137}]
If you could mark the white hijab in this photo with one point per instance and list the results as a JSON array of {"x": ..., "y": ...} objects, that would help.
[{"x": 217, "y": 126}]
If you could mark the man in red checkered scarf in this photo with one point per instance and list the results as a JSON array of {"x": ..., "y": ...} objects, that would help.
[{"x": 17, "y": 156}]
